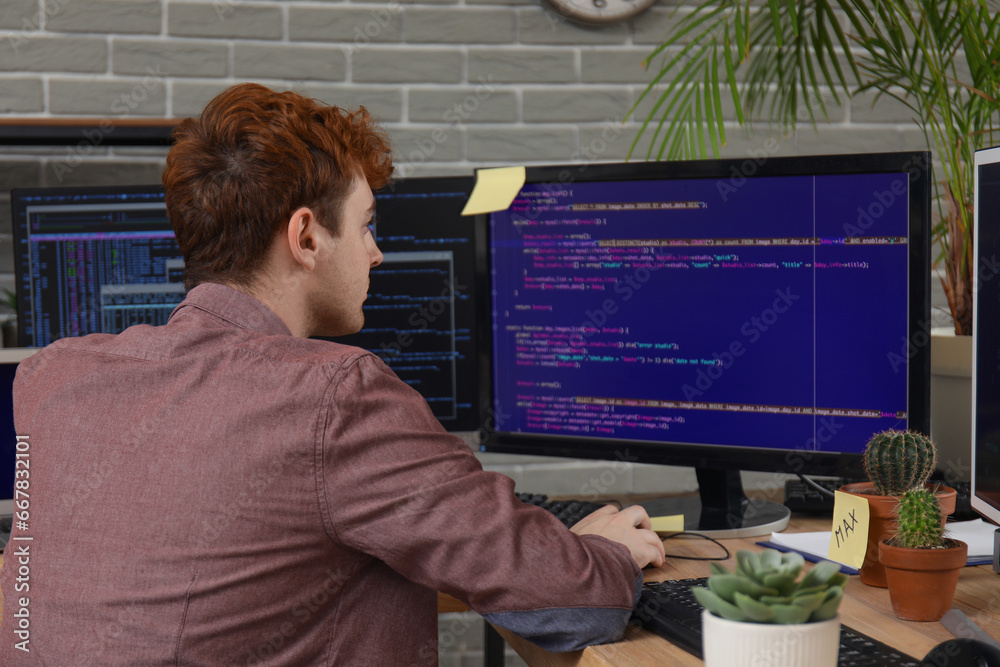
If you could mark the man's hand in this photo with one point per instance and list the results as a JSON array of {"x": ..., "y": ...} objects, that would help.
[{"x": 630, "y": 527}]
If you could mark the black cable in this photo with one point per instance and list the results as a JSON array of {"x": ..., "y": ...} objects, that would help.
[
  {"x": 704, "y": 537},
  {"x": 808, "y": 481}
]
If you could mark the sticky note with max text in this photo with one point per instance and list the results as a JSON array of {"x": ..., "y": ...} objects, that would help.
[{"x": 849, "y": 532}]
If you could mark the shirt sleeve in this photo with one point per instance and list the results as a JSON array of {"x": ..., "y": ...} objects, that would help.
[{"x": 398, "y": 487}]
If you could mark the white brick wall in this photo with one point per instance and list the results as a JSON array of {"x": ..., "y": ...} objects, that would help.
[{"x": 458, "y": 83}]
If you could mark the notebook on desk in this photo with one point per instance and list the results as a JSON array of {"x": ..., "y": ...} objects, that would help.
[{"x": 814, "y": 546}]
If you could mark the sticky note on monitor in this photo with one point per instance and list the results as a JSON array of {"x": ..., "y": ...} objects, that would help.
[
  {"x": 495, "y": 190},
  {"x": 849, "y": 532},
  {"x": 668, "y": 524}
]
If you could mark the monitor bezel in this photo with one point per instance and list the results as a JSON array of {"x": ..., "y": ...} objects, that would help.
[
  {"x": 13, "y": 355},
  {"x": 917, "y": 166},
  {"x": 20, "y": 237},
  {"x": 978, "y": 503}
]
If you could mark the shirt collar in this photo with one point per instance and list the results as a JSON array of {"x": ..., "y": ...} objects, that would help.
[{"x": 235, "y": 307}]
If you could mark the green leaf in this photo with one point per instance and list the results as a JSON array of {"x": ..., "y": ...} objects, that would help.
[
  {"x": 755, "y": 611},
  {"x": 810, "y": 602},
  {"x": 793, "y": 16},
  {"x": 770, "y": 560},
  {"x": 717, "y": 605},
  {"x": 792, "y": 562},
  {"x": 741, "y": 39},
  {"x": 726, "y": 586},
  {"x": 787, "y": 614},
  {"x": 776, "y": 599},
  {"x": 715, "y": 567},
  {"x": 810, "y": 590},
  {"x": 713, "y": 105},
  {"x": 776, "y": 21},
  {"x": 782, "y": 582},
  {"x": 733, "y": 89},
  {"x": 821, "y": 574},
  {"x": 839, "y": 579},
  {"x": 828, "y": 609},
  {"x": 746, "y": 562},
  {"x": 699, "y": 125}
]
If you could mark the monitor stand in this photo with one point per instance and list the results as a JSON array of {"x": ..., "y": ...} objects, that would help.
[
  {"x": 721, "y": 509},
  {"x": 996, "y": 550}
]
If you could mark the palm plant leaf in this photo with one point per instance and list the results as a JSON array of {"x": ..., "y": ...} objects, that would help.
[{"x": 785, "y": 59}]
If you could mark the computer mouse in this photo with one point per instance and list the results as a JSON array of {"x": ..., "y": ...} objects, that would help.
[{"x": 961, "y": 652}]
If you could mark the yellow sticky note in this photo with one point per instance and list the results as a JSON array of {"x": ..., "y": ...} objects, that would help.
[
  {"x": 495, "y": 190},
  {"x": 849, "y": 532},
  {"x": 668, "y": 524}
]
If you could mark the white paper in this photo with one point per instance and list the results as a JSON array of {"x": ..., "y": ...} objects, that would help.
[
  {"x": 817, "y": 544},
  {"x": 978, "y": 534}
]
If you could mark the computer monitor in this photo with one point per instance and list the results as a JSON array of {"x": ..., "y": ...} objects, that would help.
[
  {"x": 765, "y": 314},
  {"x": 99, "y": 259},
  {"x": 9, "y": 448},
  {"x": 92, "y": 260},
  {"x": 424, "y": 309},
  {"x": 985, "y": 487}
]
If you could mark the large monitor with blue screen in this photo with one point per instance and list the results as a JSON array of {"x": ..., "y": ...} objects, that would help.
[
  {"x": 985, "y": 495},
  {"x": 760, "y": 314}
]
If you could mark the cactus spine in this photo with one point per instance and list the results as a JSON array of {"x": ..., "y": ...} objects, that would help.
[
  {"x": 919, "y": 517},
  {"x": 899, "y": 460}
]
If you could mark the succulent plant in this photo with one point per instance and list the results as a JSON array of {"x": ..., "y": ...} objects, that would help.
[
  {"x": 920, "y": 524},
  {"x": 765, "y": 588},
  {"x": 896, "y": 461}
]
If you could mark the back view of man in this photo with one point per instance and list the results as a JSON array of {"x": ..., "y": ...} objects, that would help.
[{"x": 243, "y": 494}]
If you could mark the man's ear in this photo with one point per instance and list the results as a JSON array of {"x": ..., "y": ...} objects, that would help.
[{"x": 301, "y": 237}]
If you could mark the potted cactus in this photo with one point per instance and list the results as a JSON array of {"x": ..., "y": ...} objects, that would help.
[
  {"x": 921, "y": 564},
  {"x": 895, "y": 461},
  {"x": 762, "y": 613}
]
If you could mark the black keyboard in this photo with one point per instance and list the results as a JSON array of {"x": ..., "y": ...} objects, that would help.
[
  {"x": 567, "y": 511},
  {"x": 669, "y": 609}
]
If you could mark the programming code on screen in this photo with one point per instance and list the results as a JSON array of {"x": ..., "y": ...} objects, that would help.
[
  {"x": 96, "y": 262},
  {"x": 420, "y": 312},
  {"x": 768, "y": 314}
]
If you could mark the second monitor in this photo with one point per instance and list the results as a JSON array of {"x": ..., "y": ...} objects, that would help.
[{"x": 100, "y": 259}]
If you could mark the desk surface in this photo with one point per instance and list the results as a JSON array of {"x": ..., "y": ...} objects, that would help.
[{"x": 864, "y": 608}]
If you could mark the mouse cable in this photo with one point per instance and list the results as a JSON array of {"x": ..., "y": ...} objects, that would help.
[
  {"x": 703, "y": 537},
  {"x": 808, "y": 481}
]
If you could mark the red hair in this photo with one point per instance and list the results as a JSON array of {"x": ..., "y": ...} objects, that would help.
[{"x": 235, "y": 175}]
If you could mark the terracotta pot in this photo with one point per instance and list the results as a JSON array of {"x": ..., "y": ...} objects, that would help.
[
  {"x": 882, "y": 524},
  {"x": 922, "y": 581}
]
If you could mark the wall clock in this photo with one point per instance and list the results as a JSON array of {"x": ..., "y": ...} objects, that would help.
[{"x": 600, "y": 12}]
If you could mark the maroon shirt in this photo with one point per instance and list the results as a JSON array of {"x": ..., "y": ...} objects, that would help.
[{"x": 216, "y": 491}]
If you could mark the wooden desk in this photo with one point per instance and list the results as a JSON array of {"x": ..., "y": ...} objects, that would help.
[{"x": 864, "y": 608}]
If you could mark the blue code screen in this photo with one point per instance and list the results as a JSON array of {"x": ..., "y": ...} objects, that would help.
[{"x": 764, "y": 312}]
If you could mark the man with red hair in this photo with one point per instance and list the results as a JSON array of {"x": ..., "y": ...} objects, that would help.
[{"x": 260, "y": 497}]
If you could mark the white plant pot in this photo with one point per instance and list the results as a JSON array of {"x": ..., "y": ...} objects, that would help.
[{"x": 728, "y": 643}]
